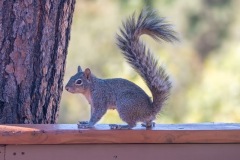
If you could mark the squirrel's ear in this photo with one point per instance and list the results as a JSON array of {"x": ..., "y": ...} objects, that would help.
[
  {"x": 79, "y": 69},
  {"x": 87, "y": 73}
]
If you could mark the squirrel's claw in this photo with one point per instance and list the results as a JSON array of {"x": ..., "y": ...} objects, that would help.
[
  {"x": 84, "y": 124},
  {"x": 116, "y": 126},
  {"x": 148, "y": 124}
]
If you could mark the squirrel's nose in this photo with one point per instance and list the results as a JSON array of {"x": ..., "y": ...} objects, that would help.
[{"x": 67, "y": 88}]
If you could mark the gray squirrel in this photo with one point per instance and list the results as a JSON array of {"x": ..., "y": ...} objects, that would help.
[{"x": 131, "y": 102}]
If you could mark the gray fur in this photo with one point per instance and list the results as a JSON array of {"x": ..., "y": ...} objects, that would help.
[
  {"x": 140, "y": 58},
  {"x": 131, "y": 102}
]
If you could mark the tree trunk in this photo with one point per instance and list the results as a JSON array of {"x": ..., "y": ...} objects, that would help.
[{"x": 34, "y": 37}]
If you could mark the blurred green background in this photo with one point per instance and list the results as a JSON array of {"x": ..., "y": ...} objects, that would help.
[{"x": 204, "y": 67}]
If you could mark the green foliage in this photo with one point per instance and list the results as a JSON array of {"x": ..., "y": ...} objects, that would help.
[{"x": 204, "y": 67}]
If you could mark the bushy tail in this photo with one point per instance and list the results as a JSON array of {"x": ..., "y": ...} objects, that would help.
[{"x": 140, "y": 58}]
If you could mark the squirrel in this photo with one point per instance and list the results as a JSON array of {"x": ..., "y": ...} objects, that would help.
[{"x": 131, "y": 102}]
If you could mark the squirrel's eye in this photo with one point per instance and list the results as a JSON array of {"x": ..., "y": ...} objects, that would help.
[{"x": 78, "y": 82}]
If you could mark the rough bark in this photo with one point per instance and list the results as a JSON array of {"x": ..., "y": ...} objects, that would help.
[{"x": 34, "y": 37}]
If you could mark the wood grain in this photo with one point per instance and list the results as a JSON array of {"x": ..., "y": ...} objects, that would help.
[
  {"x": 162, "y": 133},
  {"x": 124, "y": 152}
]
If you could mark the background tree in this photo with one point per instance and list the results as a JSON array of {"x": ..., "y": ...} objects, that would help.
[{"x": 34, "y": 37}]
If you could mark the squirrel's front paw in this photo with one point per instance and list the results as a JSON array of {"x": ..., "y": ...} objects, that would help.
[{"x": 84, "y": 124}]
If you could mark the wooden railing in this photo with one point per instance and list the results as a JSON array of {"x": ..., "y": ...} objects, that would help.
[{"x": 166, "y": 141}]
